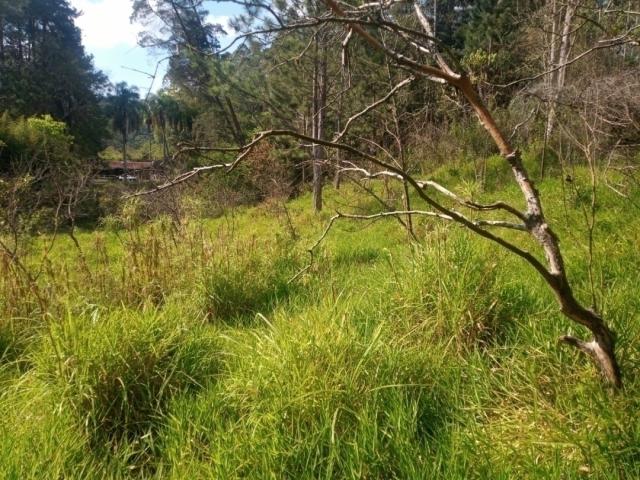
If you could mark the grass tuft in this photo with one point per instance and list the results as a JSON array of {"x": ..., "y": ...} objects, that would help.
[{"x": 117, "y": 371}]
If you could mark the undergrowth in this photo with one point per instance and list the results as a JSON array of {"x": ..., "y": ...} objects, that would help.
[{"x": 222, "y": 349}]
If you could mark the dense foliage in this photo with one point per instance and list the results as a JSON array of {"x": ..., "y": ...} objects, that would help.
[{"x": 45, "y": 70}]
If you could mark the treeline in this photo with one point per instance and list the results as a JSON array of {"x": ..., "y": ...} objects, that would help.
[
  {"x": 561, "y": 75},
  {"x": 45, "y": 70}
]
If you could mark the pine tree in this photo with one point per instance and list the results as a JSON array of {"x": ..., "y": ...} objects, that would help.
[{"x": 45, "y": 70}]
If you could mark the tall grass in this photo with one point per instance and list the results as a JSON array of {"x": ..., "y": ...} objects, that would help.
[
  {"x": 185, "y": 351},
  {"x": 247, "y": 279}
]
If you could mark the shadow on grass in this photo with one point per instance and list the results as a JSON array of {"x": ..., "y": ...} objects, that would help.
[
  {"x": 119, "y": 375},
  {"x": 234, "y": 293}
]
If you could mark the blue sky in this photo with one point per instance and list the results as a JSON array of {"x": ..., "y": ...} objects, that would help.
[{"x": 108, "y": 35}]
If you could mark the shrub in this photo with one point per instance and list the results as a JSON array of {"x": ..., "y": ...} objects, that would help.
[{"x": 36, "y": 140}]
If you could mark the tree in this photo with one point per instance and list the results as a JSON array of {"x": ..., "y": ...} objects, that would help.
[
  {"x": 560, "y": 44},
  {"x": 185, "y": 35},
  {"x": 494, "y": 45},
  {"x": 166, "y": 114},
  {"x": 125, "y": 110},
  {"x": 318, "y": 114},
  {"x": 602, "y": 347},
  {"x": 604, "y": 34},
  {"x": 45, "y": 70},
  {"x": 417, "y": 50},
  {"x": 191, "y": 44}
]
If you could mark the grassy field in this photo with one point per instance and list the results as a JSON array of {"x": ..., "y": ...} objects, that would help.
[{"x": 185, "y": 352}]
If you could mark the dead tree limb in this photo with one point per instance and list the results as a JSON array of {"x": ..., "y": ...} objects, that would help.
[
  {"x": 371, "y": 107},
  {"x": 602, "y": 347}
]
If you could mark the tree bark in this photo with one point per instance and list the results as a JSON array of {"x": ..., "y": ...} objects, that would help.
[
  {"x": 602, "y": 347},
  {"x": 236, "y": 124},
  {"x": 558, "y": 58},
  {"x": 406, "y": 199},
  {"x": 1, "y": 40},
  {"x": 165, "y": 143},
  {"x": 124, "y": 154},
  {"x": 227, "y": 119},
  {"x": 125, "y": 135},
  {"x": 337, "y": 178},
  {"x": 319, "y": 106}
]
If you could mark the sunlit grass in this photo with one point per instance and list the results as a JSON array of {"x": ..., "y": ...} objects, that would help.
[{"x": 187, "y": 351}]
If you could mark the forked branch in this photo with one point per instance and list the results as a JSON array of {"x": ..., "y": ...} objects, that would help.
[{"x": 554, "y": 273}]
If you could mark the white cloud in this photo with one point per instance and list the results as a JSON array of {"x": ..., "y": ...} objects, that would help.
[
  {"x": 222, "y": 20},
  {"x": 105, "y": 23}
]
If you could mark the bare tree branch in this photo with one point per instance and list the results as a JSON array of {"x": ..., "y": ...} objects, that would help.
[
  {"x": 443, "y": 190},
  {"x": 455, "y": 216},
  {"x": 371, "y": 107},
  {"x": 603, "y": 44},
  {"x": 181, "y": 179}
]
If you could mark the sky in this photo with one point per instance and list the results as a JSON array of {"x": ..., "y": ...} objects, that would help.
[{"x": 110, "y": 37}]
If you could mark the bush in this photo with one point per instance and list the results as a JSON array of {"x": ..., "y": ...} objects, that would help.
[{"x": 39, "y": 140}]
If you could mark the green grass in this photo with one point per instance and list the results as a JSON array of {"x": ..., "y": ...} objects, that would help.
[{"x": 187, "y": 352}]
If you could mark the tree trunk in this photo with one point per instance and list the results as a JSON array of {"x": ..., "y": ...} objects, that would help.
[
  {"x": 124, "y": 154},
  {"x": 548, "y": 79},
  {"x": 319, "y": 104},
  {"x": 602, "y": 347},
  {"x": 337, "y": 177},
  {"x": 227, "y": 119},
  {"x": 1, "y": 40},
  {"x": 165, "y": 143},
  {"x": 236, "y": 124},
  {"x": 399, "y": 137},
  {"x": 125, "y": 135},
  {"x": 558, "y": 77}
]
